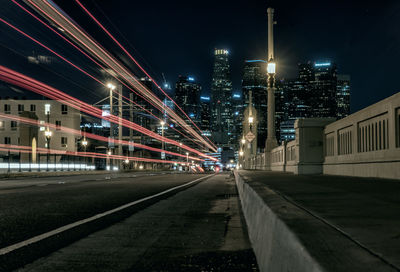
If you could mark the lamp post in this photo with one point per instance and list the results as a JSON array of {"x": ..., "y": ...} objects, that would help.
[
  {"x": 47, "y": 132},
  {"x": 84, "y": 144},
  {"x": 162, "y": 123},
  {"x": 187, "y": 160},
  {"x": 271, "y": 70},
  {"x": 111, "y": 87}
]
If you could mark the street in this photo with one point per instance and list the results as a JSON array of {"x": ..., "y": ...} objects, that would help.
[{"x": 198, "y": 226}]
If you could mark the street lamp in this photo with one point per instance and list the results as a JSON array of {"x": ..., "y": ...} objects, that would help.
[
  {"x": 47, "y": 133},
  {"x": 243, "y": 141},
  {"x": 162, "y": 123},
  {"x": 111, "y": 86},
  {"x": 251, "y": 119},
  {"x": 187, "y": 159},
  {"x": 84, "y": 144},
  {"x": 241, "y": 153},
  {"x": 271, "y": 67}
]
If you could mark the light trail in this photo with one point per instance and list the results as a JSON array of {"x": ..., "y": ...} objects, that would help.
[
  {"x": 75, "y": 66},
  {"x": 28, "y": 149},
  {"x": 95, "y": 49},
  {"x": 90, "y": 135},
  {"x": 23, "y": 81},
  {"x": 80, "y": 69},
  {"x": 134, "y": 60}
]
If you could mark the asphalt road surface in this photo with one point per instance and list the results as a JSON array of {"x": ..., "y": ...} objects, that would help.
[{"x": 192, "y": 227}]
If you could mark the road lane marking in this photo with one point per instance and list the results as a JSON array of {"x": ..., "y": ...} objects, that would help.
[{"x": 40, "y": 237}]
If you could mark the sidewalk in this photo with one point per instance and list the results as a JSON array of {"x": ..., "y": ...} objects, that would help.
[{"x": 344, "y": 223}]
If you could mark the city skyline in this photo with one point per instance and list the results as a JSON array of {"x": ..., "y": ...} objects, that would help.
[{"x": 314, "y": 38}]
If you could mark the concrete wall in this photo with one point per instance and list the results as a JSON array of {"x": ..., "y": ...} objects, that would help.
[
  {"x": 276, "y": 247},
  {"x": 366, "y": 143}
]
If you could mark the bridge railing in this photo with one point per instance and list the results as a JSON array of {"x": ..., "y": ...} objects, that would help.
[{"x": 366, "y": 143}]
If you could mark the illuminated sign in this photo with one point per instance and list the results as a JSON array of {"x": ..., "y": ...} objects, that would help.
[
  {"x": 191, "y": 78},
  {"x": 206, "y": 98},
  {"x": 236, "y": 95}
]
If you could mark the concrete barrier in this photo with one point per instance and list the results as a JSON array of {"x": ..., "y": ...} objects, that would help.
[{"x": 276, "y": 247}]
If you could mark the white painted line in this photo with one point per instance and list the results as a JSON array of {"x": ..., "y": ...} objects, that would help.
[{"x": 40, "y": 237}]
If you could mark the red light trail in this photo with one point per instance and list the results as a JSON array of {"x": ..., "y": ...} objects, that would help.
[
  {"x": 95, "y": 49},
  {"x": 28, "y": 149},
  {"x": 80, "y": 69},
  {"x": 23, "y": 81},
  {"x": 89, "y": 135},
  {"x": 134, "y": 60},
  {"x": 86, "y": 73}
]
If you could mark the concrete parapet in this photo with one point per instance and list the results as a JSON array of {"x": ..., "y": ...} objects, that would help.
[
  {"x": 276, "y": 247},
  {"x": 366, "y": 143},
  {"x": 288, "y": 237}
]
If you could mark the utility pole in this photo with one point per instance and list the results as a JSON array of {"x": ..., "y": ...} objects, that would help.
[{"x": 271, "y": 141}]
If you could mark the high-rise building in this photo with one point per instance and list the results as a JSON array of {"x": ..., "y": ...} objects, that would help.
[
  {"x": 187, "y": 96},
  {"x": 317, "y": 92},
  {"x": 221, "y": 100},
  {"x": 343, "y": 96},
  {"x": 237, "y": 110},
  {"x": 255, "y": 80},
  {"x": 205, "y": 113},
  {"x": 324, "y": 90}
]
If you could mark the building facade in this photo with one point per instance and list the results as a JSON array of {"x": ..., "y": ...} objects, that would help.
[
  {"x": 13, "y": 132},
  {"x": 187, "y": 96},
  {"x": 221, "y": 100}
]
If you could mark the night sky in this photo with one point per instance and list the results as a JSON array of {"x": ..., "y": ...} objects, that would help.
[{"x": 178, "y": 38}]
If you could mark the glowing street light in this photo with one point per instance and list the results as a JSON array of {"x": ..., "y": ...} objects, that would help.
[
  {"x": 271, "y": 67},
  {"x": 241, "y": 153},
  {"x": 251, "y": 119},
  {"x": 243, "y": 141},
  {"x": 162, "y": 123},
  {"x": 111, "y": 86}
]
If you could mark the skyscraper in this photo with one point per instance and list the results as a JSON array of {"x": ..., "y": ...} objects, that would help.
[
  {"x": 237, "y": 110},
  {"x": 324, "y": 89},
  {"x": 187, "y": 96},
  {"x": 205, "y": 113},
  {"x": 317, "y": 92},
  {"x": 343, "y": 96},
  {"x": 255, "y": 80},
  {"x": 221, "y": 99}
]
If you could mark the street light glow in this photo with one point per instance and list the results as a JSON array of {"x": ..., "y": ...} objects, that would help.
[
  {"x": 48, "y": 133},
  {"x": 84, "y": 142},
  {"x": 243, "y": 141},
  {"x": 251, "y": 119},
  {"x": 271, "y": 66},
  {"x": 111, "y": 86}
]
